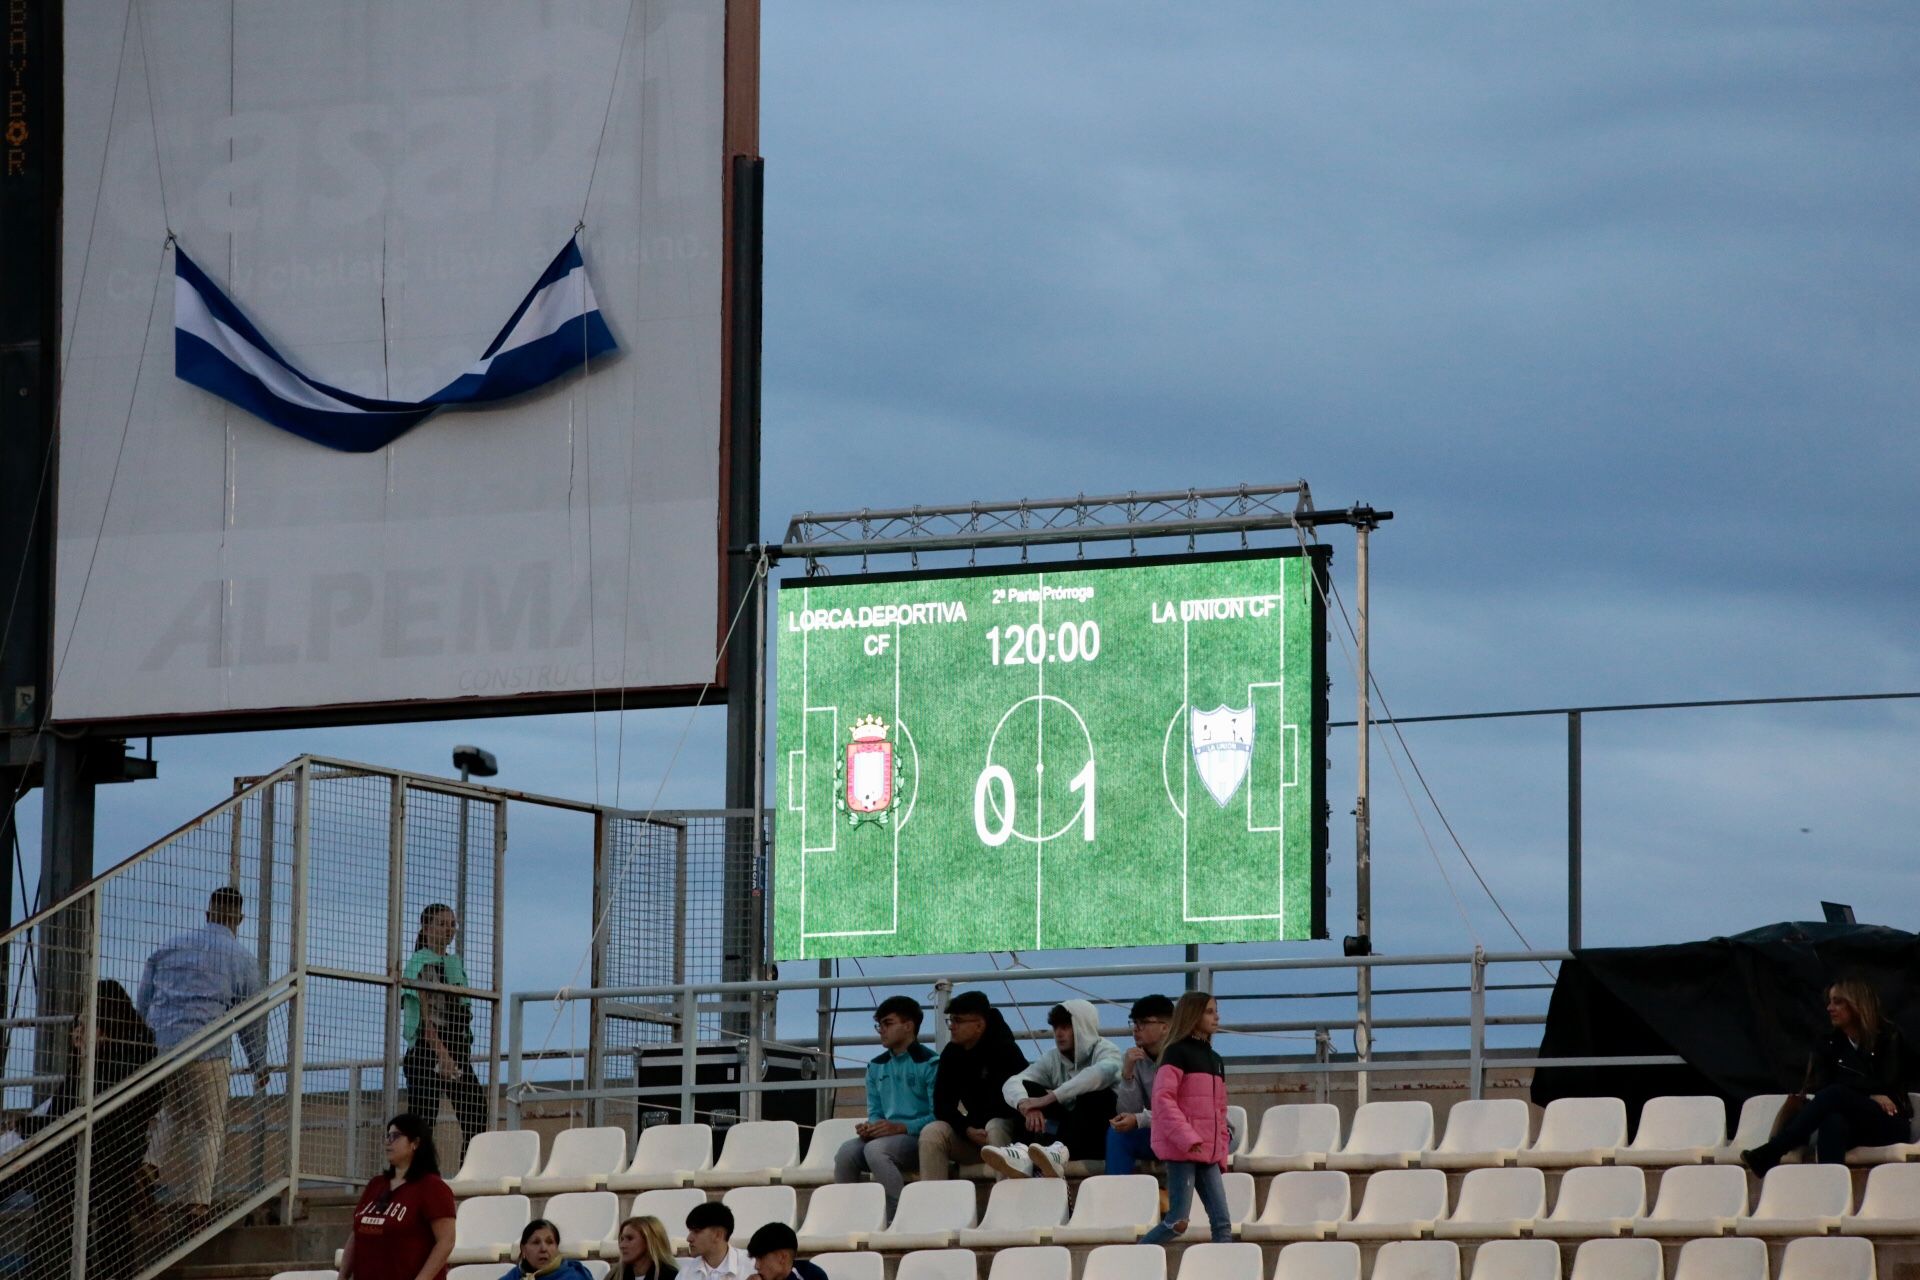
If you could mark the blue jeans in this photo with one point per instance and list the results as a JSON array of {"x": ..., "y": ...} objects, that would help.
[
  {"x": 1182, "y": 1177},
  {"x": 1124, "y": 1149}
]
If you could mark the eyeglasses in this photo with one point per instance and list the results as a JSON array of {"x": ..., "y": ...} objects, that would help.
[
  {"x": 1143, "y": 1022},
  {"x": 393, "y": 1136}
]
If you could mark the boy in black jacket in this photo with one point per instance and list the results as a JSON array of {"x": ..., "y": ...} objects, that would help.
[{"x": 969, "y": 1111}]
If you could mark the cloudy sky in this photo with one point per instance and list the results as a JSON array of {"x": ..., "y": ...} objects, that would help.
[{"x": 1615, "y": 308}]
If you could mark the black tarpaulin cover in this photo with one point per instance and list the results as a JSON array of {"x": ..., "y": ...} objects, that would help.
[{"x": 1742, "y": 1011}]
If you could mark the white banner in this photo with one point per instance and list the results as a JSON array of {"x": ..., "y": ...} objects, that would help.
[{"x": 376, "y": 182}]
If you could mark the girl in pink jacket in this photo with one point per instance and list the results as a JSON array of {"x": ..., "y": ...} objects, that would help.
[{"x": 1190, "y": 1119}]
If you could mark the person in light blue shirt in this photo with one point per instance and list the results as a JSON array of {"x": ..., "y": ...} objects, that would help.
[
  {"x": 192, "y": 981},
  {"x": 899, "y": 1102}
]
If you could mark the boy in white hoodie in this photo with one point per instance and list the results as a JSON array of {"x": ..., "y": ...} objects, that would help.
[{"x": 1067, "y": 1095}]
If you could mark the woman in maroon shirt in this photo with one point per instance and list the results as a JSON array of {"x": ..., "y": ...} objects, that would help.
[{"x": 403, "y": 1226}]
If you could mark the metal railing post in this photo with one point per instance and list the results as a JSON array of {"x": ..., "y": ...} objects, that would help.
[
  {"x": 297, "y": 1012},
  {"x": 517, "y": 1014},
  {"x": 597, "y": 965},
  {"x": 1322, "y": 1055},
  {"x": 356, "y": 1081},
  {"x": 689, "y": 1049},
  {"x": 1362, "y": 819},
  {"x": 499, "y": 956},
  {"x": 89, "y": 1018},
  {"x": 1477, "y": 1013},
  {"x": 1574, "y": 906},
  {"x": 942, "y": 995},
  {"x": 396, "y": 954}
]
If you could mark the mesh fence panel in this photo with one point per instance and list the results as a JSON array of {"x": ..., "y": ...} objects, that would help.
[{"x": 179, "y": 971}]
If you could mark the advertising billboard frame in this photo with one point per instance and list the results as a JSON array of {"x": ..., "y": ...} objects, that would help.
[{"x": 735, "y": 436}]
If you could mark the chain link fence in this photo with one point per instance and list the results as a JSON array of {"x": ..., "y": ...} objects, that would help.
[{"x": 239, "y": 1008}]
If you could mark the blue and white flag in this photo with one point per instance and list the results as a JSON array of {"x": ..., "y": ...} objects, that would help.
[{"x": 556, "y": 328}]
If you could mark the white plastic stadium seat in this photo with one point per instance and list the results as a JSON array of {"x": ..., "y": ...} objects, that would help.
[
  {"x": 828, "y": 1137},
  {"x": 1827, "y": 1259},
  {"x": 1728, "y": 1259},
  {"x": 1619, "y": 1260},
  {"x": 1032, "y": 1262},
  {"x": 310, "y": 1275},
  {"x": 1908, "y": 1150},
  {"x": 930, "y": 1215},
  {"x": 1576, "y": 1131},
  {"x": 671, "y": 1205},
  {"x": 1517, "y": 1260},
  {"x": 1304, "y": 1204},
  {"x": 1696, "y": 1201},
  {"x": 1800, "y": 1200},
  {"x": 841, "y": 1215},
  {"x": 1677, "y": 1129},
  {"x": 1386, "y": 1135},
  {"x": 596, "y": 1269},
  {"x": 1111, "y": 1208},
  {"x": 1125, "y": 1262},
  {"x": 588, "y": 1222},
  {"x": 866, "y": 1266},
  {"x": 1495, "y": 1202},
  {"x": 465, "y": 1271},
  {"x": 667, "y": 1155},
  {"x": 927, "y": 1264},
  {"x": 755, "y": 1153},
  {"x": 1237, "y": 1131},
  {"x": 1239, "y": 1189},
  {"x": 580, "y": 1160},
  {"x": 1596, "y": 1200},
  {"x": 755, "y": 1207},
  {"x": 1398, "y": 1204},
  {"x": 1486, "y": 1131},
  {"x": 487, "y": 1228},
  {"x": 1417, "y": 1260},
  {"x": 1292, "y": 1136},
  {"x": 496, "y": 1161},
  {"x": 1020, "y": 1211},
  {"x": 1222, "y": 1262},
  {"x": 1890, "y": 1206},
  {"x": 1757, "y": 1115},
  {"x": 1319, "y": 1260}
]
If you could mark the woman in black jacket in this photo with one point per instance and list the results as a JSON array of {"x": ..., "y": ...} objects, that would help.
[{"x": 1856, "y": 1085}]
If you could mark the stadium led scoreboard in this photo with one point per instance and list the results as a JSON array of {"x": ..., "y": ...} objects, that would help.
[{"x": 1073, "y": 754}]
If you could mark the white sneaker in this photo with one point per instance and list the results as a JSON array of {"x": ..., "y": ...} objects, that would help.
[
  {"x": 1008, "y": 1162},
  {"x": 1049, "y": 1161}
]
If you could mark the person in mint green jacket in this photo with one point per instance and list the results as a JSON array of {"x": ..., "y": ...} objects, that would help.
[
  {"x": 438, "y": 1027},
  {"x": 899, "y": 1102}
]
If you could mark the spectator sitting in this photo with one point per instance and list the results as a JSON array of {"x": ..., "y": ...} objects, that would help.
[
  {"x": 1068, "y": 1094},
  {"x": 899, "y": 1102},
  {"x": 540, "y": 1255},
  {"x": 644, "y": 1251},
  {"x": 774, "y": 1247},
  {"x": 1190, "y": 1098},
  {"x": 192, "y": 981},
  {"x": 1130, "y": 1137},
  {"x": 1855, "y": 1092},
  {"x": 969, "y": 1112},
  {"x": 710, "y": 1241}
]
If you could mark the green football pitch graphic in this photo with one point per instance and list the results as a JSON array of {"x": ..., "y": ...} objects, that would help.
[{"x": 1073, "y": 757}]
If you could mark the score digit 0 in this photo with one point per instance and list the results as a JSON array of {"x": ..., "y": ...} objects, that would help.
[{"x": 1070, "y": 642}]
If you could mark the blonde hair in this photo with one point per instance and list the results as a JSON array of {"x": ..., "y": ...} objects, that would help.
[
  {"x": 1857, "y": 992},
  {"x": 1187, "y": 1013},
  {"x": 659, "y": 1252}
]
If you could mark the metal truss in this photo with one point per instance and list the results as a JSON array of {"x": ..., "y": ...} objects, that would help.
[{"x": 1186, "y": 513}]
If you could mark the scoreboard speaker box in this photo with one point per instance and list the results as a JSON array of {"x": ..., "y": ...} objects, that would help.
[{"x": 1077, "y": 754}]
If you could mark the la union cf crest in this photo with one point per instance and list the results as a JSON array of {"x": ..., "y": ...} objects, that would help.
[{"x": 867, "y": 778}]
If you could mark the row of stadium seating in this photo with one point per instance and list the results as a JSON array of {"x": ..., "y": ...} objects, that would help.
[
  {"x": 1384, "y": 1135},
  {"x": 1397, "y": 1204},
  {"x": 1729, "y": 1259}
]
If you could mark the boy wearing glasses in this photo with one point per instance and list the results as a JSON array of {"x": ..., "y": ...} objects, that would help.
[
  {"x": 969, "y": 1113},
  {"x": 899, "y": 1102},
  {"x": 1130, "y": 1133}
]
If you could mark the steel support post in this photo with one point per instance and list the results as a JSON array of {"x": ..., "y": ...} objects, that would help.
[
  {"x": 823, "y": 1040},
  {"x": 1192, "y": 956},
  {"x": 89, "y": 1014},
  {"x": 1477, "y": 1017},
  {"x": 499, "y": 953},
  {"x": 597, "y": 967},
  {"x": 517, "y": 1012},
  {"x": 1362, "y": 823},
  {"x": 942, "y": 996},
  {"x": 689, "y": 1050},
  {"x": 396, "y": 946},
  {"x": 757, "y": 1004},
  {"x": 297, "y": 1011},
  {"x": 1574, "y": 905}
]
